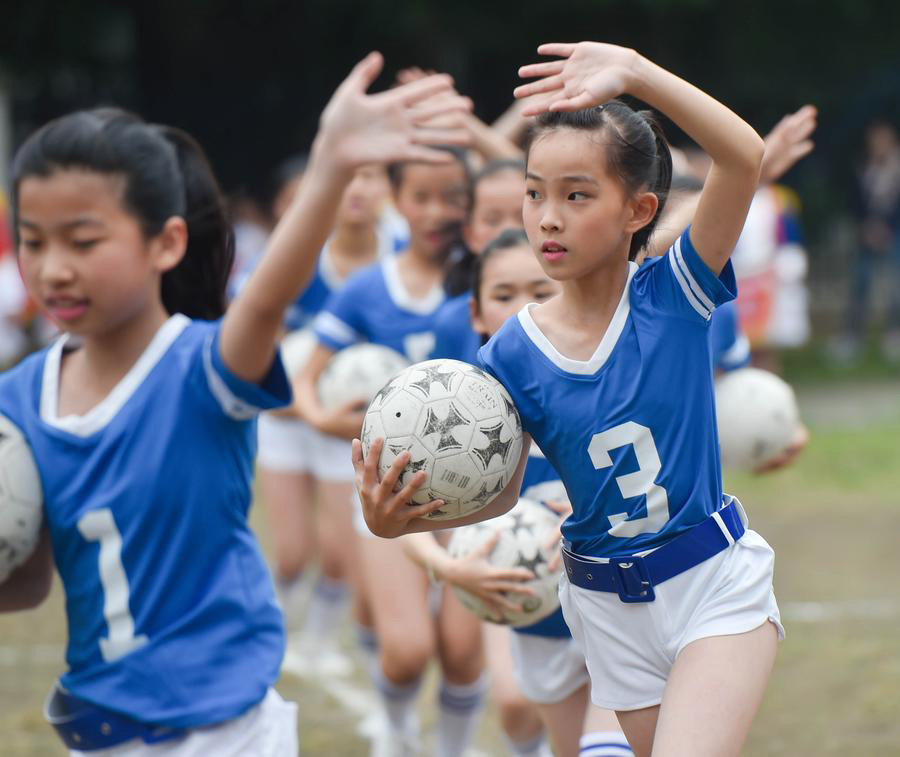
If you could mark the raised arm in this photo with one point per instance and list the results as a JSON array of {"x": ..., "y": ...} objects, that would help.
[
  {"x": 591, "y": 73},
  {"x": 355, "y": 128}
]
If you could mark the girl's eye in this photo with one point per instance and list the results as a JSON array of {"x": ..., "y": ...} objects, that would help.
[
  {"x": 85, "y": 244},
  {"x": 502, "y": 298},
  {"x": 532, "y": 194},
  {"x": 31, "y": 244},
  {"x": 578, "y": 196}
]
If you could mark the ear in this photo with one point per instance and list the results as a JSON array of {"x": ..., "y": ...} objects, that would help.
[
  {"x": 475, "y": 315},
  {"x": 643, "y": 210},
  {"x": 169, "y": 246}
]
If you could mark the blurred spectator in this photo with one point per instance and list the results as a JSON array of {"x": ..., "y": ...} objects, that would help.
[{"x": 877, "y": 209}]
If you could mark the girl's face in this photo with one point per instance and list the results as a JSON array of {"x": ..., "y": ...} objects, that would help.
[
  {"x": 578, "y": 217},
  {"x": 84, "y": 258},
  {"x": 510, "y": 279},
  {"x": 364, "y": 197},
  {"x": 497, "y": 207},
  {"x": 434, "y": 200}
]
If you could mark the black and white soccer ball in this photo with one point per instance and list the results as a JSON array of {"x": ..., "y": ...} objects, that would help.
[
  {"x": 524, "y": 533},
  {"x": 459, "y": 426},
  {"x": 21, "y": 499},
  {"x": 358, "y": 372},
  {"x": 757, "y": 417}
]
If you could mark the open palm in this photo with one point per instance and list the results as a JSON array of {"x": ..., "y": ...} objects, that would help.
[
  {"x": 589, "y": 74},
  {"x": 359, "y": 128}
]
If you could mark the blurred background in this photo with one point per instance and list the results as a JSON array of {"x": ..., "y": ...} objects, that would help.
[{"x": 248, "y": 80}]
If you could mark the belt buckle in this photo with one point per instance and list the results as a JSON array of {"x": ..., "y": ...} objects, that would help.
[{"x": 632, "y": 580}]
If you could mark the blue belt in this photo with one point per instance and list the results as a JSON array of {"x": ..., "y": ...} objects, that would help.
[
  {"x": 84, "y": 726},
  {"x": 633, "y": 577}
]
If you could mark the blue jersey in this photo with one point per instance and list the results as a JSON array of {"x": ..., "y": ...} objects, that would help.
[
  {"x": 729, "y": 345},
  {"x": 171, "y": 611},
  {"x": 632, "y": 430},
  {"x": 374, "y": 306},
  {"x": 541, "y": 483},
  {"x": 454, "y": 336}
]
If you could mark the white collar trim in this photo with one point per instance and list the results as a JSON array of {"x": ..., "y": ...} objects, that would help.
[
  {"x": 607, "y": 343},
  {"x": 401, "y": 296},
  {"x": 101, "y": 414}
]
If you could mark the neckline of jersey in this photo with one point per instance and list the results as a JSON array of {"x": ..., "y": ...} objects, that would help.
[
  {"x": 104, "y": 411},
  {"x": 400, "y": 295},
  {"x": 610, "y": 338}
]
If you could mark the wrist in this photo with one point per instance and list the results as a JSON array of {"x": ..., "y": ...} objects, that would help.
[{"x": 326, "y": 160}]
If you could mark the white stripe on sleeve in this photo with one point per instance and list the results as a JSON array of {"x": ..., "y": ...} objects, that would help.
[
  {"x": 233, "y": 405},
  {"x": 685, "y": 287},
  {"x": 332, "y": 326}
]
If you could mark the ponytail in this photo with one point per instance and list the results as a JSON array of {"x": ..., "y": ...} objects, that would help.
[{"x": 166, "y": 174}]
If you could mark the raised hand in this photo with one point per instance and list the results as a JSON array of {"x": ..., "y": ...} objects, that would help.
[
  {"x": 388, "y": 513},
  {"x": 358, "y": 128},
  {"x": 787, "y": 143},
  {"x": 589, "y": 74}
]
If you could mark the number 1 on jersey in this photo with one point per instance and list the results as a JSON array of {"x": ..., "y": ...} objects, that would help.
[
  {"x": 98, "y": 525},
  {"x": 641, "y": 481}
]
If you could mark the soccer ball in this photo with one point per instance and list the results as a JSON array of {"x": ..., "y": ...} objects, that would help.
[
  {"x": 21, "y": 499},
  {"x": 296, "y": 348},
  {"x": 358, "y": 372},
  {"x": 524, "y": 533},
  {"x": 757, "y": 415},
  {"x": 460, "y": 427}
]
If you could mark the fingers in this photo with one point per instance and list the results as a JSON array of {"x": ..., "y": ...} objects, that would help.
[
  {"x": 538, "y": 104},
  {"x": 363, "y": 73},
  {"x": 560, "y": 507},
  {"x": 562, "y": 49},
  {"x": 541, "y": 69},
  {"x": 393, "y": 473},
  {"x": 440, "y": 107},
  {"x": 584, "y": 100},
  {"x": 423, "y": 511},
  {"x": 550, "y": 84},
  {"x": 485, "y": 549},
  {"x": 433, "y": 136},
  {"x": 370, "y": 466},
  {"x": 421, "y": 89}
]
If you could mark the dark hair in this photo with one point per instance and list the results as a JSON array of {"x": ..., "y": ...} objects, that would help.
[
  {"x": 499, "y": 165},
  {"x": 166, "y": 174},
  {"x": 505, "y": 240},
  {"x": 636, "y": 151}
]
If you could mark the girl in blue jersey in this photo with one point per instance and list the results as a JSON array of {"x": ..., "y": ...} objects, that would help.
[
  {"x": 141, "y": 416},
  {"x": 667, "y": 593},
  {"x": 541, "y": 660},
  {"x": 394, "y": 303}
]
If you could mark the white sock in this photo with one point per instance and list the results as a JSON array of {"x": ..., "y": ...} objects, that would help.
[
  {"x": 292, "y": 594},
  {"x": 325, "y": 608},
  {"x": 604, "y": 744},
  {"x": 459, "y": 710},
  {"x": 399, "y": 703},
  {"x": 537, "y": 747}
]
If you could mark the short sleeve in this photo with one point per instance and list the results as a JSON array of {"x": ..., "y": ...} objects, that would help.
[
  {"x": 242, "y": 400},
  {"x": 730, "y": 346},
  {"x": 338, "y": 324},
  {"x": 682, "y": 284},
  {"x": 450, "y": 329}
]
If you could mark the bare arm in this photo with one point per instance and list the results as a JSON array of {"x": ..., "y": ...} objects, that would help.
[
  {"x": 344, "y": 421},
  {"x": 355, "y": 129},
  {"x": 30, "y": 583},
  {"x": 592, "y": 73}
]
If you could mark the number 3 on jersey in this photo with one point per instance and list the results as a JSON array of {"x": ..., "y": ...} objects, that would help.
[
  {"x": 640, "y": 482},
  {"x": 98, "y": 525}
]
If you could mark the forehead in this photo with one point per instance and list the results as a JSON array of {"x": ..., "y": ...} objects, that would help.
[
  {"x": 502, "y": 186},
  {"x": 567, "y": 152},
  {"x": 514, "y": 265},
  {"x": 70, "y": 192},
  {"x": 427, "y": 175}
]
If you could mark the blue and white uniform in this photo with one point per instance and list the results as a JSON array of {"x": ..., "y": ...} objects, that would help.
[
  {"x": 171, "y": 610},
  {"x": 454, "y": 336},
  {"x": 375, "y": 306},
  {"x": 632, "y": 433}
]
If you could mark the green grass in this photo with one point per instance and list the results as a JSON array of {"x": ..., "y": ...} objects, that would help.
[{"x": 833, "y": 519}]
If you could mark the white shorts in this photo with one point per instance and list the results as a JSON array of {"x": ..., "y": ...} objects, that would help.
[
  {"x": 630, "y": 648},
  {"x": 267, "y": 730},
  {"x": 547, "y": 669},
  {"x": 288, "y": 445}
]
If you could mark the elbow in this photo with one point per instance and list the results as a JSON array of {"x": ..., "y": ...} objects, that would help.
[{"x": 752, "y": 154}]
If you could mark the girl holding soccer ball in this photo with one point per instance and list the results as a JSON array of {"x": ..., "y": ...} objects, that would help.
[
  {"x": 667, "y": 592},
  {"x": 141, "y": 417}
]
